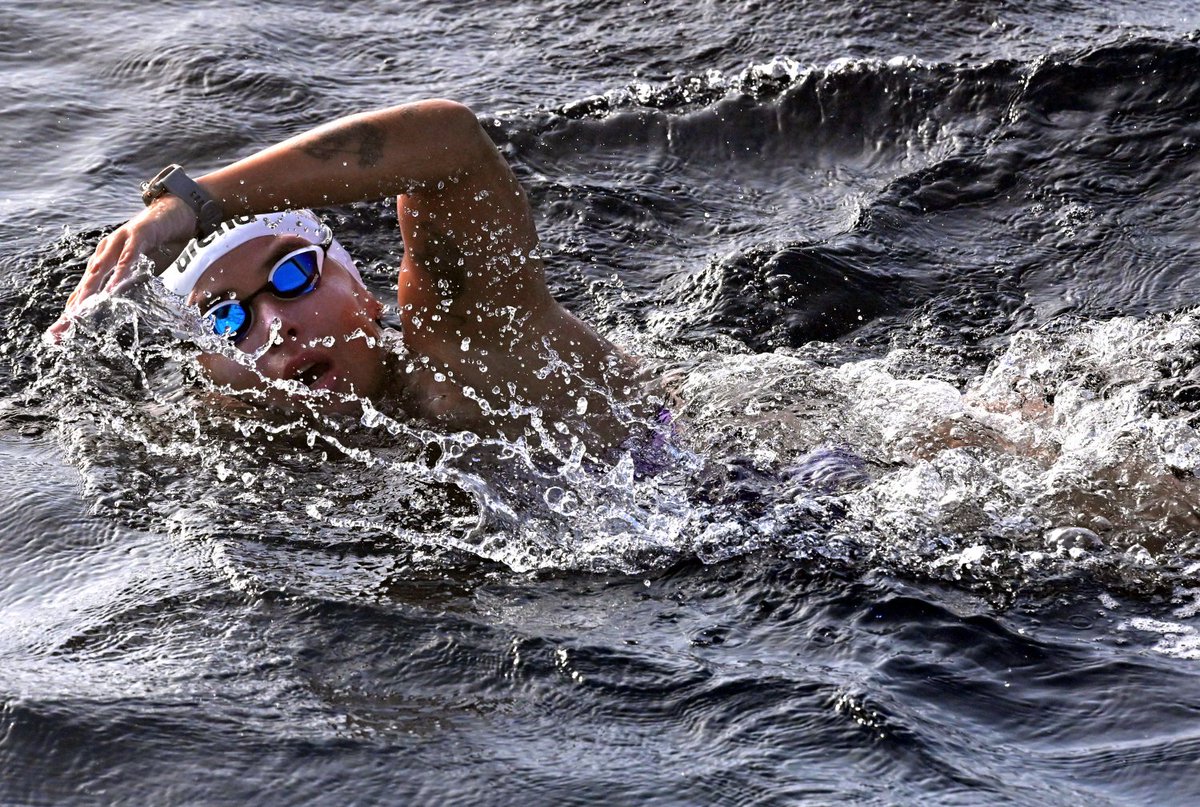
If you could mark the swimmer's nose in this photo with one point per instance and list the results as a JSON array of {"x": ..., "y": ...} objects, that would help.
[{"x": 270, "y": 310}]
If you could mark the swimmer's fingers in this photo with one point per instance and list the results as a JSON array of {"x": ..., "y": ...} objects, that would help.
[
  {"x": 113, "y": 265},
  {"x": 93, "y": 275},
  {"x": 58, "y": 330},
  {"x": 99, "y": 267},
  {"x": 100, "y": 270},
  {"x": 161, "y": 228},
  {"x": 125, "y": 267},
  {"x": 121, "y": 282}
]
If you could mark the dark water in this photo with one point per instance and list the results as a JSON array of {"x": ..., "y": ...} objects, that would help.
[{"x": 922, "y": 275}]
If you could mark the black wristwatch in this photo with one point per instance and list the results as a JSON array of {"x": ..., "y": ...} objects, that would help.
[{"x": 172, "y": 180}]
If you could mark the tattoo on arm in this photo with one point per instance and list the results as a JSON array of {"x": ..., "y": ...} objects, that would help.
[{"x": 365, "y": 140}]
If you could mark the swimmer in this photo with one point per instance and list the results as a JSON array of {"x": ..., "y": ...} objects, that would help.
[{"x": 480, "y": 330}]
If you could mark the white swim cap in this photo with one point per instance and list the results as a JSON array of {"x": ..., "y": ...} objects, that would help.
[{"x": 200, "y": 253}]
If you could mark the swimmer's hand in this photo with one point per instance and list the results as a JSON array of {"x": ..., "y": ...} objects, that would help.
[{"x": 166, "y": 223}]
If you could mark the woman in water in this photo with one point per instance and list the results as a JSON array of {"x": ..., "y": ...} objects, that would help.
[{"x": 485, "y": 346}]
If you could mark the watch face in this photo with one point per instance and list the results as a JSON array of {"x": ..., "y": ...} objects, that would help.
[
  {"x": 154, "y": 188},
  {"x": 151, "y": 191}
]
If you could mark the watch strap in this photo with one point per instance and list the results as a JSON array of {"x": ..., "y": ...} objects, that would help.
[{"x": 174, "y": 181}]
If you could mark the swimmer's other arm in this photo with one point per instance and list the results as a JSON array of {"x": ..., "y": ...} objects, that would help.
[{"x": 415, "y": 148}]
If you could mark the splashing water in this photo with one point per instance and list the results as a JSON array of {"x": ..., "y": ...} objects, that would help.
[
  {"x": 1071, "y": 449},
  {"x": 1076, "y": 448}
]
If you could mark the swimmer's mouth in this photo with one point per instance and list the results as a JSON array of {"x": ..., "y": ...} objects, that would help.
[{"x": 310, "y": 373}]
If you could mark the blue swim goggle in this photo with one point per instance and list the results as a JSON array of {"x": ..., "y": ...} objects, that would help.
[{"x": 294, "y": 275}]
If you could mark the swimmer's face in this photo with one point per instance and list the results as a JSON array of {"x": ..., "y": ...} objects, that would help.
[{"x": 337, "y": 309}]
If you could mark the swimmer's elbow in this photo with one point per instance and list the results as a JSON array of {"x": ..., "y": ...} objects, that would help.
[
  {"x": 448, "y": 119},
  {"x": 462, "y": 127},
  {"x": 449, "y": 129},
  {"x": 450, "y": 112}
]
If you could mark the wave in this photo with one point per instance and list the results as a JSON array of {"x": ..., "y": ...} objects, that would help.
[{"x": 1021, "y": 190}]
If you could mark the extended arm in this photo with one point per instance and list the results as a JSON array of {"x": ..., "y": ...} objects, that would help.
[
  {"x": 364, "y": 156},
  {"x": 432, "y": 152}
]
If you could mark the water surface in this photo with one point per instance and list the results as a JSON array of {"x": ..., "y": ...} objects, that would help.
[{"x": 922, "y": 276}]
